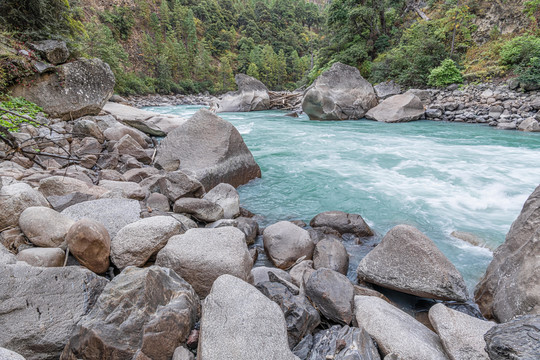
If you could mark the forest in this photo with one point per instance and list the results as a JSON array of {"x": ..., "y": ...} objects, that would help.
[{"x": 188, "y": 46}]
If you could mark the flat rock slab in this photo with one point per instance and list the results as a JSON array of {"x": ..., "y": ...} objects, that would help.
[
  {"x": 240, "y": 323},
  {"x": 114, "y": 214},
  {"x": 397, "y": 332},
  {"x": 39, "y": 307}
]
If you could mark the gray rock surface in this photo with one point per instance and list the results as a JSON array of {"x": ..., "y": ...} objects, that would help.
[
  {"x": 284, "y": 243},
  {"x": 76, "y": 89},
  {"x": 249, "y": 227},
  {"x": 333, "y": 294},
  {"x": 511, "y": 284},
  {"x": 45, "y": 227},
  {"x": 6, "y": 354},
  {"x": 227, "y": 197},
  {"x": 41, "y": 306},
  {"x": 44, "y": 257},
  {"x": 260, "y": 274},
  {"x": 301, "y": 272},
  {"x": 177, "y": 184},
  {"x": 211, "y": 149},
  {"x": 181, "y": 353},
  {"x": 114, "y": 214},
  {"x": 339, "y": 93},
  {"x": 126, "y": 189},
  {"x": 63, "y": 185},
  {"x": 16, "y": 198},
  {"x": 200, "y": 209},
  {"x": 6, "y": 257},
  {"x": 342, "y": 222},
  {"x": 331, "y": 254},
  {"x": 148, "y": 312},
  {"x": 54, "y": 51},
  {"x": 135, "y": 243},
  {"x": 240, "y": 323},
  {"x": 397, "y": 332},
  {"x": 462, "y": 335},
  {"x": 397, "y": 108},
  {"x": 529, "y": 125},
  {"x": 386, "y": 89},
  {"x": 200, "y": 256},
  {"x": 406, "y": 260},
  {"x": 252, "y": 95},
  {"x": 517, "y": 339}
]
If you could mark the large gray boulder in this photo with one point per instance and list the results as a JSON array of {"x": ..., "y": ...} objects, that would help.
[
  {"x": 16, "y": 198},
  {"x": 114, "y": 214},
  {"x": 397, "y": 332},
  {"x": 511, "y": 284},
  {"x": 342, "y": 222},
  {"x": 240, "y": 323},
  {"x": 148, "y": 312},
  {"x": 135, "y": 243},
  {"x": 39, "y": 307},
  {"x": 75, "y": 89},
  {"x": 340, "y": 93},
  {"x": 200, "y": 256},
  {"x": 210, "y": 149},
  {"x": 284, "y": 243},
  {"x": 397, "y": 108},
  {"x": 518, "y": 339},
  {"x": 406, "y": 260},
  {"x": 252, "y": 95},
  {"x": 462, "y": 335},
  {"x": 44, "y": 227}
]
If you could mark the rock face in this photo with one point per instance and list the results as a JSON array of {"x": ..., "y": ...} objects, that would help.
[
  {"x": 200, "y": 256},
  {"x": 44, "y": 227},
  {"x": 333, "y": 294},
  {"x": 397, "y": 332},
  {"x": 210, "y": 149},
  {"x": 146, "y": 311},
  {"x": 398, "y": 108},
  {"x": 238, "y": 322},
  {"x": 340, "y": 93},
  {"x": 342, "y": 222},
  {"x": 227, "y": 197},
  {"x": 76, "y": 89},
  {"x": 90, "y": 243},
  {"x": 16, "y": 198},
  {"x": 462, "y": 335},
  {"x": 114, "y": 214},
  {"x": 517, "y": 339},
  {"x": 284, "y": 243},
  {"x": 511, "y": 284},
  {"x": 252, "y": 95},
  {"x": 54, "y": 51},
  {"x": 41, "y": 306},
  {"x": 301, "y": 317},
  {"x": 408, "y": 261},
  {"x": 135, "y": 243}
]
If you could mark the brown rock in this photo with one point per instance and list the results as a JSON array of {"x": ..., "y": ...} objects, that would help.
[{"x": 90, "y": 243}]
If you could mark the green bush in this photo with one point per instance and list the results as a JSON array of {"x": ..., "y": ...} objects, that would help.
[
  {"x": 18, "y": 105},
  {"x": 445, "y": 74},
  {"x": 519, "y": 50},
  {"x": 530, "y": 74}
]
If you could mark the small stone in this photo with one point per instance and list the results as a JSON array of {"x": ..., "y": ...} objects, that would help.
[{"x": 285, "y": 243}]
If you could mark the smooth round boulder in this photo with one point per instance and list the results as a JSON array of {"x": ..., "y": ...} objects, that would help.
[
  {"x": 16, "y": 198},
  {"x": 157, "y": 201},
  {"x": 45, "y": 227},
  {"x": 342, "y": 222},
  {"x": 397, "y": 108},
  {"x": 285, "y": 243},
  {"x": 227, "y": 197},
  {"x": 201, "y": 209},
  {"x": 44, "y": 257},
  {"x": 90, "y": 243},
  {"x": 252, "y": 95},
  {"x": 406, "y": 260},
  {"x": 333, "y": 294},
  {"x": 331, "y": 254}
]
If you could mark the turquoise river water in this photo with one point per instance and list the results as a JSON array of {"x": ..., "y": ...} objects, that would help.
[{"x": 439, "y": 177}]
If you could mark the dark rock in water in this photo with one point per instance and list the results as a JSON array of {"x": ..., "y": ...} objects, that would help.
[
  {"x": 301, "y": 317},
  {"x": 252, "y": 95},
  {"x": 339, "y": 343},
  {"x": 333, "y": 294},
  {"x": 331, "y": 254},
  {"x": 210, "y": 149},
  {"x": 76, "y": 89},
  {"x": 148, "y": 311},
  {"x": 408, "y": 261},
  {"x": 398, "y": 108},
  {"x": 54, "y": 51},
  {"x": 340, "y": 93},
  {"x": 517, "y": 339},
  {"x": 41, "y": 306},
  {"x": 342, "y": 222}
]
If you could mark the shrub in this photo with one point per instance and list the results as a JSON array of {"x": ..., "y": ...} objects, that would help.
[
  {"x": 530, "y": 74},
  {"x": 21, "y": 106},
  {"x": 519, "y": 50},
  {"x": 445, "y": 74}
]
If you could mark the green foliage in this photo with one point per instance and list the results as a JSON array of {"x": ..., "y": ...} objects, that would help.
[
  {"x": 530, "y": 74},
  {"x": 18, "y": 105},
  {"x": 121, "y": 20},
  {"x": 445, "y": 74},
  {"x": 519, "y": 50}
]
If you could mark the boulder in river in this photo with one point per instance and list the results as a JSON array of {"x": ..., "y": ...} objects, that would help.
[
  {"x": 339, "y": 93},
  {"x": 284, "y": 243},
  {"x": 406, "y": 260},
  {"x": 517, "y": 339},
  {"x": 226, "y": 196},
  {"x": 511, "y": 284},
  {"x": 209, "y": 149},
  {"x": 397, "y": 108},
  {"x": 252, "y": 95},
  {"x": 75, "y": 89},
  {"x": 342, "y": 222},
  {"x": 331, "y": 254},
  {"x": 240, "y": 323},
  {"x": 148, "y": 312}
]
